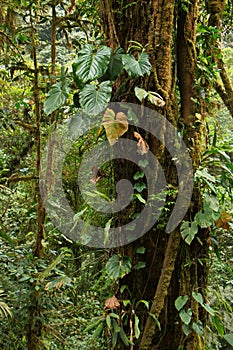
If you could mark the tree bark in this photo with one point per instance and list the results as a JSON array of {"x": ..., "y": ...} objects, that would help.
[{"x": 167, "y": 274}]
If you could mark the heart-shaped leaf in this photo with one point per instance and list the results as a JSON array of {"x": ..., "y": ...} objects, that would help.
[
  {"x": 94, "y": 98},
  {"x": 180, "y": 302},
  {"x": 91, "y": 65},
  {"x": 185, "y": 316},
  {"x": 115, "y": 66},
  {"x": 57, "y": 96},
  {"x": 198, "y": 297},
  {"x": 140, "y": 93},
  {"x": 118, "y": 267},
  {"x": 136, "y": 68},
  {"x": 115, "y": 125}
]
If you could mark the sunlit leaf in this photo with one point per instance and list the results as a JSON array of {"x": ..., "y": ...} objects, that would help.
[
  {"x": 91, "y": 64},
  {"x": 156, "y": 99},
  {"x": 136, "y": 327},
  {"x": 140, "y": 93},
  {"x": 115, "y": 125},
  {"x": 136, "y": 68},
  {"x": 94, "y": 98},
  {"x": 198, "y": 297},
  {"x": 57, "y": 96}
]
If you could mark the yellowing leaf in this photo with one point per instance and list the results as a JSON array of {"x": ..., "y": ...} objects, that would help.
[
  {"x": 115, "y": 126},
  {"x": 156, "y": 99}
]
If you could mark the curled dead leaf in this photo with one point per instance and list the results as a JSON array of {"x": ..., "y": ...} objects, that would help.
[
  {"x": 112, "y": 303},
  {"x": 143, "y": 146}
]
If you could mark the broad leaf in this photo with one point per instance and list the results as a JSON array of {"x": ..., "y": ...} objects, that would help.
[
  {"x": 123, "y": 336},
  {"x": 140, "y": 93},
  {"x": 188, "y": 232},
  {"x": 218, "y": 325},
  {"x": 198, "y": 328},
  {"x": 198, "y": 297},
  {"x": 78, "y": 125},
  {"x": 115, "y": 125},
  {"x": 185, "y": 316},
  {"x": 136, "y": 68},
  {"x": 95, "y": 98},
  {"x": 141, "y": 250},
  {"x": 180, "y": 302},
  {"x": 115, "y": 66},
  {"x": 229, "y": 338},
  {"x": 209, "y": 309},
  {"x": 138, "y": 175},
  {"x": 57, "y": 96},
  {"x": 118, "y": 267},
  {"x": 91, "y": 65},
  {"x": 139, "y": 187}
]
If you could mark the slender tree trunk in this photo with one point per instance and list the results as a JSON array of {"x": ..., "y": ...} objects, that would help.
[{"x": 35, "y": 323}]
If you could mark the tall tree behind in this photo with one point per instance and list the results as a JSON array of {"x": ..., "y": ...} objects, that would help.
[{"x": 173, "y": 268}]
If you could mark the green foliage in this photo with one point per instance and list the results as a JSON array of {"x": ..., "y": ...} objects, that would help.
[
  {"x": 91, "y": 64},
  {"x": 95, "y": 98},
  {"x": 136, "y": 68},
  {"x": 57, "y": 97},
  {"x": 118, "y": 266}
]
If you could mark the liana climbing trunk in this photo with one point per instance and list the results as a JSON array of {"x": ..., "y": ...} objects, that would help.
[{"x": 167, "y": 30}]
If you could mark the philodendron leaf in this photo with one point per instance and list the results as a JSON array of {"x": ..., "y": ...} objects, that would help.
[
  {"x": 188, "y": 231},
  {"x": 229, "y": 338},
  {"x": 198, "y": 297},
  {"x": 140, "y": 93},
  {"x": 180, "y": 302},
  {"x": 185, "y": 316},
  {"x": 136, "y": 68},
  {"x": 94, "y": 98},
  {"x": 115, "y": 66},
  {"x": 118, "y": 267},
  {"x": 115, "y": 125},
  {"x": 91, "y": 64},
  {"x": 57, "y": 96}
]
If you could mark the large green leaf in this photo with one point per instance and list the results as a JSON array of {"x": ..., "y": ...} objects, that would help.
[
  {"x": 118, "y": 267},
  {"x": 94, "y": 98},
  {"x": 57, "y": 96},
  {"x": 115, "y": 66},
  {"x": 136, "y": 68},
  {"x": 91, "y": 64},
  {"x": 188, "y": 232},
  {"x": 229, "y": 338}
]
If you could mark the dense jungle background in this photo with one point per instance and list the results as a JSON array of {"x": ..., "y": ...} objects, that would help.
[{"x": 62, "y": 63}]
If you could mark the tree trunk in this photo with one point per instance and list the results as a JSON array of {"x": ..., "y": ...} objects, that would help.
[{"x": 172, "y": 267}]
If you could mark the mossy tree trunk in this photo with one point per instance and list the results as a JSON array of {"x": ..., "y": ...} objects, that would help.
[{"x": 172, "y": 267}]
